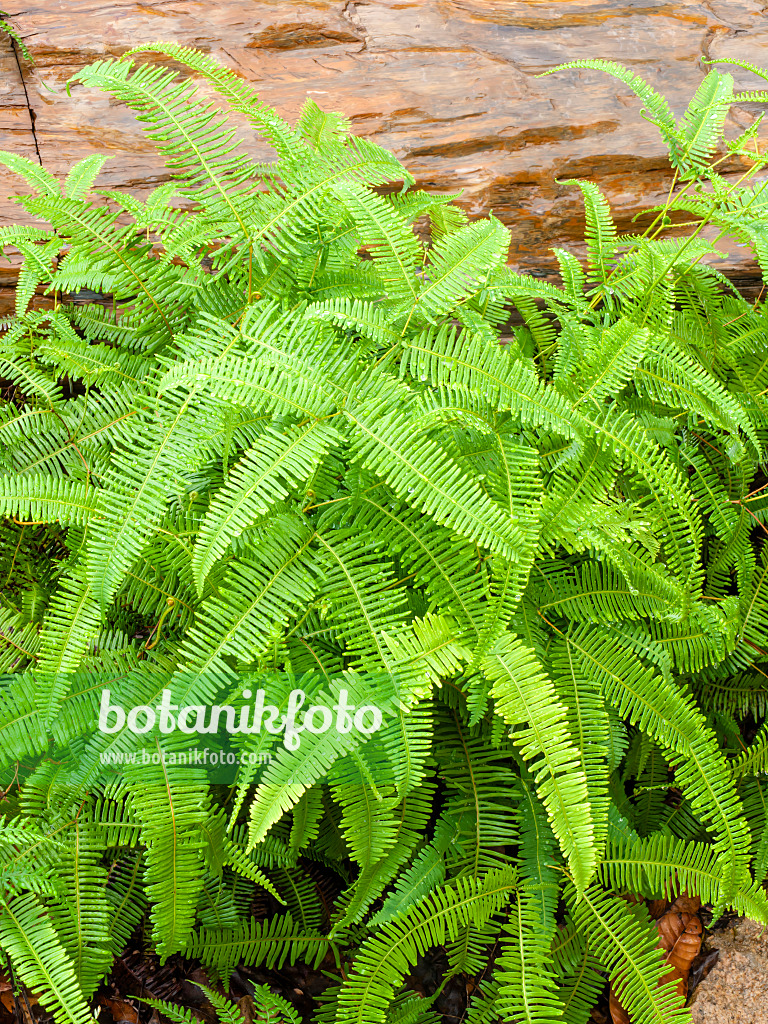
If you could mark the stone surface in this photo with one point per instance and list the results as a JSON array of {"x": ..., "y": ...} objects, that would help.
[
  {"x": 736, "y": 989},
  {"x": 450, "y": 86}
]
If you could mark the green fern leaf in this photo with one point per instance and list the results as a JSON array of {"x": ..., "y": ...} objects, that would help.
[
  {"x": 27, "y": 934},
  {"x": 524, "y": 694}
]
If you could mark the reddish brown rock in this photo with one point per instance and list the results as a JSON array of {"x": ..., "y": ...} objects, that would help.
[{"x": 450, "y": 86}]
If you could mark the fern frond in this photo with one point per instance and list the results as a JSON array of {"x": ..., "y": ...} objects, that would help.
[
  {"x": 667, "y": 714},
  {"x": 32, "y": 172},
  {"x": 81, "y": 911},
  {"x": 46, "y": 499},
  {"x": 255, "y": 942},
  {"x": 626, "y": 948},
  {"x": 460, "y": 361},
  {"x": 171, "y": 803},
  {"x": 460, "y": 263},
  {"x": 420, "y": 473},
  {"x": 193, "y": 137},
  {"x": 527, "y": 983},
  {"x": 702, "y": 123},
  {"x": 234, "y": 89},
  {"x": 278, "y": 462},
  {"x": 524, "y": 694},
  {"x": 657, "y": 109},
  {"x": 292, "y": 772},
  {"x": 600, "y": 232},
  {"x": 42, "y": 962},
  {"x": 71, "y": 623},
  {"x": 385, "y": 958},
  {"x": 664, "y": 867}
]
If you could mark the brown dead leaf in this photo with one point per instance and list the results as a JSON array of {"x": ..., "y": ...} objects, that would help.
[
  {"x": 122, "y": 1012},
  {"x": 685, "y": 904},
  {"x": 676, "y": 975},
  {"x": 680, "y": 936},
  {"x": 247, "y": 1009},
  {"x": 6, "y": 993},
  {"x": 618, "y": 1014},
  {"x": 657, "y": 907}
]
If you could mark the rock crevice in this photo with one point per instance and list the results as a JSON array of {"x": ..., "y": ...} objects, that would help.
[{"x": 30, "y": 109}]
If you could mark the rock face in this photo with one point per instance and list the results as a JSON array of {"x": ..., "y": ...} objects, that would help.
[
  {"x": 736, "y": 989},
  {"x": 450, "y": 86}
]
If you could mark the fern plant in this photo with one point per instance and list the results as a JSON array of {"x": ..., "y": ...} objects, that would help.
[
  {"x": 267, "y": 437},
  {"x": 267, "y": 1007}
]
